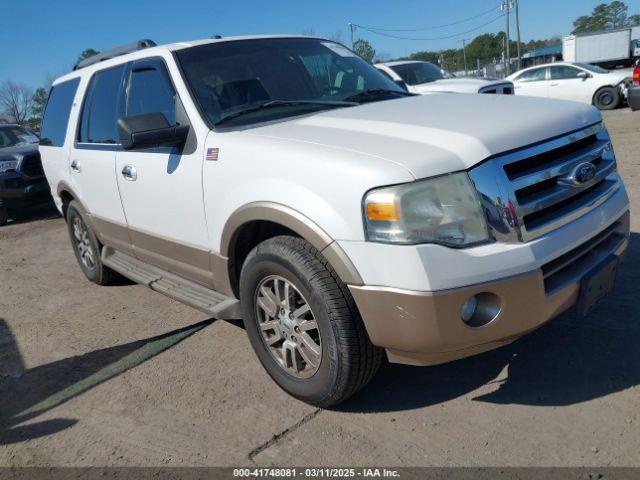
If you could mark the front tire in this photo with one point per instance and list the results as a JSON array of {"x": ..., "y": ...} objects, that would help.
[
  {"x": 87, "y": 248},
  {"x": 303, "y": 323},
  {"x": 607, "y": 98}
]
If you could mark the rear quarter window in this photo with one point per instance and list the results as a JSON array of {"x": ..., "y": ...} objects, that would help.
[
  {"x": 102, "y": 106},
  {"x": 56, "y": 114}
]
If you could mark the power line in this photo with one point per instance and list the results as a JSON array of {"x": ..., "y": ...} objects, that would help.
[
  {"x": 429, "y": 39},
  {"x": 434, "y": 27}
]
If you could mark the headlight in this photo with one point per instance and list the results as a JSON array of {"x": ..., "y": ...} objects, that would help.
[
  {"x": 6, "y": 165},
  {"x": 443, "y": 210}
]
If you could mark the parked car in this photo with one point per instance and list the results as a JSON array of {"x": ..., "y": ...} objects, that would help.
[
  {"x": 22, "y": 181},
  {"x": 425, "y": 77},
  {"x": 579, "y": 82},
  {"x": 286, "y": 182}
]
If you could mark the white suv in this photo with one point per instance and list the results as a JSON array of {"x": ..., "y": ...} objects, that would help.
[{"x": 286, "y": 182}]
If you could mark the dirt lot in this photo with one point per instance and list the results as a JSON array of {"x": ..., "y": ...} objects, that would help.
[{"x": 123, "y": 376}]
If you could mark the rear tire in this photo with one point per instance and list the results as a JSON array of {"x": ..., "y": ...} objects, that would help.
[
  {"x": 285, "y": 275},
  {"x": 87, "y": 248},
  {"x": 607, "y": 98}
]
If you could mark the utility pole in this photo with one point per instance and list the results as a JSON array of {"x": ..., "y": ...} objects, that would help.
[
  {"x": 506, "y": 6},
  {"x": 352, "y": 27},
  {"x": 517, "y": 2},
  {"x": 464, "y": 55}
]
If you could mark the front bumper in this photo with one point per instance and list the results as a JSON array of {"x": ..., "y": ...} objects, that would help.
[
  {"x": 17, "y": 191},
  {"x": 425, "y": 328}
]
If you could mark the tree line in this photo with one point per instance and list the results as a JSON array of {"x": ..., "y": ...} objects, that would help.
[
  {"x": 24, "y": 105},
  {"x": 489, "y": 47}
]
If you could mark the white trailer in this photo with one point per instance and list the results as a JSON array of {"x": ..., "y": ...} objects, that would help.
[{"x": 612, "y": 47}]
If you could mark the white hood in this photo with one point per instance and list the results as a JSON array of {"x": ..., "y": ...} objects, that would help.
[
  {"x": 435, "y": 134},
  {"x": 460, "y": 85}
]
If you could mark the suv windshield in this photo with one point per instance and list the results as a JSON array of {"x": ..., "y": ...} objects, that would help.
[
  {"x": 13, "y": 136},
  {"x": 269, "y": 78},
  {"x": 420, "y": 72}
]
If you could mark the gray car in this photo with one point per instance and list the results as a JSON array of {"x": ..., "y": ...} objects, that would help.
[{"x": 22, "y": 180}]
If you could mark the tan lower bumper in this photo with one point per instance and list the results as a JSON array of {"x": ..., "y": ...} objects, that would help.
[{"x": 425, "y": 328}]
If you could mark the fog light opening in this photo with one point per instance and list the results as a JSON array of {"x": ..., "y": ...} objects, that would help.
[
  {"x": 480, "y": 309},
  {"x": 468, "y": 309}
]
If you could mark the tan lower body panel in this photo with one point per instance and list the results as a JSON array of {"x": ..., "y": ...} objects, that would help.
[
  {"x": 110, "y": 233},
  {"x": 189, "y": 261},
  {"x": 426, "y": 328}
]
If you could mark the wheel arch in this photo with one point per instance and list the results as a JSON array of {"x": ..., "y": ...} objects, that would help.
[
  {"x": 258, "y": 221},
  {"x": 67, "y": 195}
]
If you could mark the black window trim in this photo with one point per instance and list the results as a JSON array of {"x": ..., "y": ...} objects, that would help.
[
  {"x": 88, "y": 92},
  {"x": 124, "y": 92},
  {"x": 66, "y": 131},
  {"x": 152, "y": 63}
]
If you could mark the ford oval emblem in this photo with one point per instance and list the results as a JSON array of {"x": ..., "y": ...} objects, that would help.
[{"x": 582, "y": 173}]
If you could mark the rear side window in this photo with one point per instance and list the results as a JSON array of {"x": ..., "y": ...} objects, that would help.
[
  {"x": 102, "y": 107},
  {"x": 151, "y": 92},
  {"x": 56, "y": 114},
  {"x": 563, "y": 73},
  {"x": 535, "y": 75}
]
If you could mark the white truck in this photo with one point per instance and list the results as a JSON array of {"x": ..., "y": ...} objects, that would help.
[
  {"x": 608, "y": 48},
  {"x": 284, "y": 181}
]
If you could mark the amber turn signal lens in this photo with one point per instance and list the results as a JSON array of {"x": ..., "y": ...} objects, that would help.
[{"x": 382, "y": 212}]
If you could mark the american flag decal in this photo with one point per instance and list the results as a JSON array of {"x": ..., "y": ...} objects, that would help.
[{"x": 212, "y": 154}]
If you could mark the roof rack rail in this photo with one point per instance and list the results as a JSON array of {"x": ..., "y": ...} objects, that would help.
[{"x": 115, "y": 52}]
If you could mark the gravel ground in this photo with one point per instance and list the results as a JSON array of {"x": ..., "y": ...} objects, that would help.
[{"x": 121, "y": 376}]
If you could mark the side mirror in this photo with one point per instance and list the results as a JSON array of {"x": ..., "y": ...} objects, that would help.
[
  {"x": 150, "y": 130},
  {"x": 584, "y": 75}
]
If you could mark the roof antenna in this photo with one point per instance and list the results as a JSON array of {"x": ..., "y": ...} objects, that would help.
[{"x": 216, "y": 37}]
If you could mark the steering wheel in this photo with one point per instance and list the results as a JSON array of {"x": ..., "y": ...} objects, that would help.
[{"x": 330, "y": 90}]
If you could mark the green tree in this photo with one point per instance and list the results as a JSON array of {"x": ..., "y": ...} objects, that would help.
[
  {"x": 89, "y": 52},
  {"x": 606, "y": 16},
  {"x": 618, "y": 12},
  {"x": 364, "y": 49},
  {"x": 37, "y": 110}
]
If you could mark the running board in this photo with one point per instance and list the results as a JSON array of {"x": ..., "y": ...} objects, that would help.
[{"x": 193, "y": 294}]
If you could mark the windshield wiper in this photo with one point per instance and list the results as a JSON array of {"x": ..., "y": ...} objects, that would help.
[
  {"x": 375, "y": 92},
  {"x": 283, "y": 103}
]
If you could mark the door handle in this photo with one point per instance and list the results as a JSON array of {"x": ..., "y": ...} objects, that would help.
[
  {"x": 75, "y": 166},
  {"x": 129, "y": 173},
  {"x": 554, "y": 84}
]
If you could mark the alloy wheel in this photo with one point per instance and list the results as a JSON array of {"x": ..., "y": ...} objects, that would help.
[
  {"x": 83, "y": 244},
  {"x": 288, "y": 326}
]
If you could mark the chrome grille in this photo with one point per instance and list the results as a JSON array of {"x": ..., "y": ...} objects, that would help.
[{"x": 532, "y": 191}]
